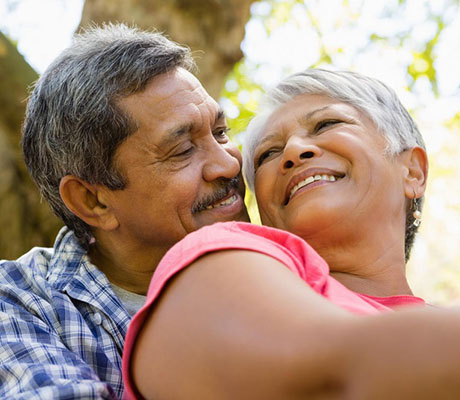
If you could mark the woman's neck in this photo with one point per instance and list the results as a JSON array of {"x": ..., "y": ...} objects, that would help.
[
  {"x": 374, "y": 268},
  {"x": 381, "y": 286}
]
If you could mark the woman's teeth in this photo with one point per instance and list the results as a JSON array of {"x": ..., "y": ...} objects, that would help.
[
  {"x": 230, "y": 200},
  {"x": 312, "y": 179}
]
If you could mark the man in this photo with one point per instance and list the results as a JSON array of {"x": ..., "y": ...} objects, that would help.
[{"x": 132, "y": 154}]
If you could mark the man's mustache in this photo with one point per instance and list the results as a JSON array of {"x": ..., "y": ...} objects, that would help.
[{"x": 222, "y": 189}]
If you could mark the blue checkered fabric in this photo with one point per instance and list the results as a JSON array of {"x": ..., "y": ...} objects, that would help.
[{"x": 62, "y": 328}]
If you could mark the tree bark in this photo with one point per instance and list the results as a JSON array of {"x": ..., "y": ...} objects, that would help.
[
  {"x": 213, "y": 29},
  {"x": 24, "y": 220}
]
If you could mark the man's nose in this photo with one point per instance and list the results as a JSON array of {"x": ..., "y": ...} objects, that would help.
[
  {"x": 297, "y": 151},
  {"x": 221, "y": 162}
]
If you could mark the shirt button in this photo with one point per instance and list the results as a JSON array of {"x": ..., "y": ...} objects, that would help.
[{"x": 97, "y": 318}]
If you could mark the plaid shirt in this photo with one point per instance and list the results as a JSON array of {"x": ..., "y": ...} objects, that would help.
[{"x": 62, "y": 328}]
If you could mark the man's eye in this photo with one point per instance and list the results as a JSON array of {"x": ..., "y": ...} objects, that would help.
[
  {"x": 184, "y": 153},
  {"x": 221, "y": 134},
  {"x": 326, "y": 124}
]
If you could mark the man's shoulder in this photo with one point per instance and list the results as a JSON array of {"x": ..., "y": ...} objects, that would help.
[
  {"x": 40, "y": 260},
  {"x": 35, "y": 270},
  {"x": 24, "y": 286},
  {"x": 50, "y": 317},
  {"x": 34, "y": 262}
]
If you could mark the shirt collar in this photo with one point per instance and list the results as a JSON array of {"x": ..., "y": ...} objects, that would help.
[{"x": 70, "y": 267}]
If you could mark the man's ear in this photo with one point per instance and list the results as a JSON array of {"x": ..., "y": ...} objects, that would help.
[
  {"x": 416, "y": 163},
  {"x": 87, "y": 202}
]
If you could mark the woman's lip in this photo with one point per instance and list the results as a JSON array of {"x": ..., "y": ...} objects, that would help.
[
  {"x": 309, "y": 187},
  {"x": 310, "y": 172}
]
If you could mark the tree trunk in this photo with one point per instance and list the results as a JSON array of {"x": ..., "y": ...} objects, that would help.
[
  {"x": 213, "y": 29},
  {"x": 24, "y": 220}
]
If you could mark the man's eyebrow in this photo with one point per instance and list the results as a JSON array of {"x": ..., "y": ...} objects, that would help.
[
  {"x": 219, "y": 116},
  {"x": 175, "y": 133}
]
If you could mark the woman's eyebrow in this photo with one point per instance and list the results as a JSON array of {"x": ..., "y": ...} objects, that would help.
[
  {"x": 267, "y": 138},
  {"x": 305, "y": 119}
]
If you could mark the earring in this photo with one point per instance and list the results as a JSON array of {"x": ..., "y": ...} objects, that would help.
[{"x": 416, "y": 214}]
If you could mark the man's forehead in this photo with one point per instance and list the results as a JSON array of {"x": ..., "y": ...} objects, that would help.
[
  {"x": 177, "y": 90},
  {"x": 178, "y": 79},
  {"x": 177, "y": 85}
]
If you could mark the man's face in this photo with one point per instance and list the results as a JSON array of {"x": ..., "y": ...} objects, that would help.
[{"x": 181, "y": 170}]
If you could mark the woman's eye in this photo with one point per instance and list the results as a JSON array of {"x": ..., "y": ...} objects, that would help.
[
  {"x": 265, "y": 156},
  {"x": 326, "y": 124}
]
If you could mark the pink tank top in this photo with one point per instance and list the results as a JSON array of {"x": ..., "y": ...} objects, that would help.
[{"x": 289, "y": 249}]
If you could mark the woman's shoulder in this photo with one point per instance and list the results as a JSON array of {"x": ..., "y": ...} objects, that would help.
[
  {"x": 240, "y": 232},
  {"x": 289, "y": 249}
]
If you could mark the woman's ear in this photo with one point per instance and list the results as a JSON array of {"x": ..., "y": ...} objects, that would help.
[
  {"x": 87, "y": 202},
  {"x": 416, "y": 162}
]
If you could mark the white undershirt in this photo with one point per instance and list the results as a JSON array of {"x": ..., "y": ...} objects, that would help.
[{"x": 132, "y": 301}]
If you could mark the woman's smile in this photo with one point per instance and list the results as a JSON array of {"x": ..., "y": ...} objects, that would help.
[{"x": 310, "y": 178}]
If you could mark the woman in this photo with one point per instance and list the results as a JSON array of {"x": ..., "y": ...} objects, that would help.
[
  {"x": 354, "y": 130},
  {"x": 336, "y": 160}
]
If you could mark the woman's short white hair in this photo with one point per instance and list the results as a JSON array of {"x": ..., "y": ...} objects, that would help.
[{"x": 375, "y": 99}]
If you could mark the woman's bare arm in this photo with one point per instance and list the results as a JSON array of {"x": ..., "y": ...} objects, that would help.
[{"x": 239, "y": 324}]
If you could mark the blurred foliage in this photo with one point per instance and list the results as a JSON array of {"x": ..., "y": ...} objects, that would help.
[
  {"x": 240, "y": 97},
  {"x": 399, "y": 42}
]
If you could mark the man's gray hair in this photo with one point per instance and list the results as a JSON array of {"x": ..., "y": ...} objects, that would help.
[
  {"x": 370, "y": 96},
  {"x": 73, "y": 124}
]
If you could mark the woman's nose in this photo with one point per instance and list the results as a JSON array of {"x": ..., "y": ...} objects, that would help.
[{"x": 298, "y": 150}]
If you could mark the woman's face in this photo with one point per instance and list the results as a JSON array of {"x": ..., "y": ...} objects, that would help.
[{"x": 321, "y": 171}]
